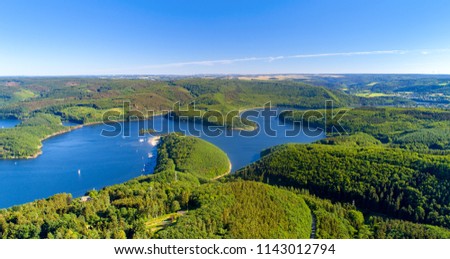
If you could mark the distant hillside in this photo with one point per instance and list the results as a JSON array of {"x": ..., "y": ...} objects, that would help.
[
  {"x": 24, "y": 95},
  {"x": 419, "y": 129},
  {"x": 225, "y": 95},
  {"x": 425, "y": 90},
  {"x": 87, "y": 100}
]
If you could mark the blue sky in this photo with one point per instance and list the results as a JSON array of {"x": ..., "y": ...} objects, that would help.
[{"x": 89, "y": 37}]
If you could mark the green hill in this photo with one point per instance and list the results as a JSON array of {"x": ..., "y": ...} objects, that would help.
[
  {"x": 243, "y": 210},
  {"x": 122, "y": 210},
  {"x": 399, "y": 183},
  {"x": 25, "y": 140},
  {"x": 418, "y": 129},
  {"x": 225, "y": 95},
  {"x": 192, "y": 155}
]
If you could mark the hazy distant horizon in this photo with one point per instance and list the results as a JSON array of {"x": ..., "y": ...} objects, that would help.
[{"x": 222, "y": 75}]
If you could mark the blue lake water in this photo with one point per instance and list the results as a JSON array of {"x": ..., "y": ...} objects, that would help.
[
  {"x": 4, "y": 124},
  {"x": 83, "y": 159}
]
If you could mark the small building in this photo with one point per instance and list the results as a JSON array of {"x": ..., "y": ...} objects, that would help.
[{"x": 85, "y": 198}]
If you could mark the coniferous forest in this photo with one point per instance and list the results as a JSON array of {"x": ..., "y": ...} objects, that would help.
[{"x": 386, "y": 176}]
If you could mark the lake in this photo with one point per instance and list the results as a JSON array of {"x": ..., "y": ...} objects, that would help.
[
  {"x": 83, "y": 159},
  {"x": 4, "y": 124}
]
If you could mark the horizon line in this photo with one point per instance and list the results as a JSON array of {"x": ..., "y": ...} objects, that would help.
[{"x": 224, "y": 74}]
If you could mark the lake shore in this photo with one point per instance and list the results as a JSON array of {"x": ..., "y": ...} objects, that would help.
[
  {"x": 67, "y": 130},
  {"x": 39, "y": 152},
  {"x": 63, "y": 163}
]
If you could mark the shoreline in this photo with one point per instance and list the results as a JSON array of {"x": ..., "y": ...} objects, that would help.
[
  {"x": 54, "y": 135},
  {"x": 69, "y": 129},
  {"x": 72, "y": 128},
  {"x": 253, "y": 128}
]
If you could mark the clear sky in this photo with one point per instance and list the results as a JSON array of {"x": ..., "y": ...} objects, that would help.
[{"x": 89, "y": 37}]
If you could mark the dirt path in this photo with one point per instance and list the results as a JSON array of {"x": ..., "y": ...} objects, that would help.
[{"x": 222, "y": 175}]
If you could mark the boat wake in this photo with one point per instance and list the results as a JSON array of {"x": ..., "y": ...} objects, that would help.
[{"x": 154, "y": 141}]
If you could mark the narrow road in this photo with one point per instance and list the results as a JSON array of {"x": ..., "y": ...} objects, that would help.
[
  {"x": 313, "y": 226},
  {"x": 222, "y": 175}
]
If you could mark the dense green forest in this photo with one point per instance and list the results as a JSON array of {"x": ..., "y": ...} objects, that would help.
[
  {"x": 243, "y": 210},
  {"x": 418, "y": 129},
  {"x": 87, "y": 100},
  {"x": 119, "y": 211},
  {"x": 344, "y": 221},
  {"x": 394, "y": 162},
  {"x": 388, "y": 178},
  {"x": 226, "y": 95},
  {"x": 145, "y": 206},
  {"x": 56, "y": 94},
  {"x": 402, "y": 184},
  {"x": 178, "y": 201}
]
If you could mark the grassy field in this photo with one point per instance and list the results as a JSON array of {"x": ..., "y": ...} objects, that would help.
[
  {"x": 86, "y": 115},
  {"x": 159, "y": 223},
  {"x": 24, "y": 94},
  {"x": 368, "y": 94}
]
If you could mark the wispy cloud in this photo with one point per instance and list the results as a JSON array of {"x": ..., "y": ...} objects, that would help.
[
  {"x": 274, "y": 58},
  {"x": 299, "y": 56}
]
